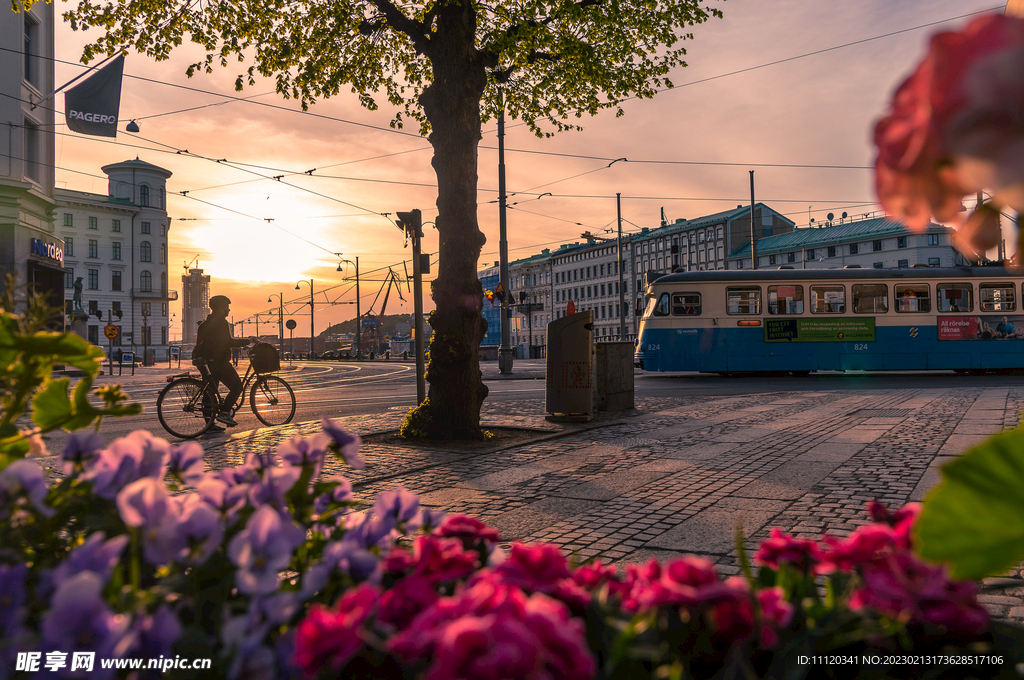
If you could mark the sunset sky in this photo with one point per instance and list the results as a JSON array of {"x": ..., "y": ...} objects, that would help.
[{"x": 734, "y": 109}]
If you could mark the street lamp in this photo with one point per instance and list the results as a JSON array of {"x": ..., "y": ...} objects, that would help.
[
  {"x": 280, "y": 319},
  {"x": 311, "y": 335},
  {"x": 359, "y": 316},
  {"x": 145, "y": 337}
]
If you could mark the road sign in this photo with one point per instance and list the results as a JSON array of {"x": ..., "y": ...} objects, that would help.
[
  {"x": 111, "y": 331},
  {"x": 290, "y": 323},
  {"x": 175, "y": 351}
]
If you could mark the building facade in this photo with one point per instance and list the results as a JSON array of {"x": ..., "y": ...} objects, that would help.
[
  {"x": 530, "y": 285},
  {"x": 873, "y": 242},
  {"x": 118, "y": 245},
  {"x": 29, "y": 248},
  {"x": 588, "y": 274}
]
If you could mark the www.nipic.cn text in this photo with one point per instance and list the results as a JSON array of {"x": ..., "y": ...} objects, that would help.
[{"x": 86, "y": 661}]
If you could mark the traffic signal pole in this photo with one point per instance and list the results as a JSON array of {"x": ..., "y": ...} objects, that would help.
[{"x": 412, "y": 223}]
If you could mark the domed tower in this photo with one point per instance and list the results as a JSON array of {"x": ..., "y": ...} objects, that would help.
[{"x": 144, "y": 186}]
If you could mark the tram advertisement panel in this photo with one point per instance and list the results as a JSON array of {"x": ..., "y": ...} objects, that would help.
[
  {"x": 1003, "y": 327},
  {"x": 819, "y": 330}
]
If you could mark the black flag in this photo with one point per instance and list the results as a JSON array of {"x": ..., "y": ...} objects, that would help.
[{"x": 91, "y": 107}]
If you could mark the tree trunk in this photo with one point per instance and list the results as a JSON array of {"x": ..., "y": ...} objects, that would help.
[{"x": 452, "y": 105}]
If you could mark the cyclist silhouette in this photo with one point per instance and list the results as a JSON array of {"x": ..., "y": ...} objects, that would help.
[{"x": 213, "y": 352}]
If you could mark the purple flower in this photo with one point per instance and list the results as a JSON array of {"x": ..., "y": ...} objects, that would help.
[
  {"x": 272, "y": 486},
  {"x": 340, "y": 493},
  {"x": 263, "y": 549},
  {"x": 145, "y": 503},
  {"x": 400, "y": 507},
  {"x": 126, "y": 460},
  {"x": 303, "y": 451},
  {"x": 186, "y": 462},
  {"x": 154, "y": 634},
  {"x": 80, "y": 621},
  {"x": 226, "y": 500},
  {"x": 368, "y": 531},
  {"x": 345, "y": 444},
  {"x": 82, "y": 450},
  {"x": 23, "y": 479},
  {"x": 95, "y": 555},
  {"x": 12, "y": 595},
  {"x": 200, "y": 527}
]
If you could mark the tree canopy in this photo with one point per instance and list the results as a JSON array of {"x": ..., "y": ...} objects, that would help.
[{"x": 446, "y": 65}]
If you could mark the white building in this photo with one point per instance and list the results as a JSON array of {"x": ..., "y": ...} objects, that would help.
[
  {"x": 195, "y": 303},
  {"x": 588, "y": 274},
  {"x": 873, "y": 242},
  {"x": 117, "y": 244},
  {"x": 29, "y": 249}
]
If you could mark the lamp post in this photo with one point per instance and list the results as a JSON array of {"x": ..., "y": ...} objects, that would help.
[
  {"x": 311, "y": 335},
  {"x": 359, "y": 316},
  {"x": 145, "y": 337},
  {"x": 280, "y": 319}
]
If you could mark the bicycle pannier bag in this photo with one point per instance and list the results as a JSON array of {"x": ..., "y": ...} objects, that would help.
[{"x": 265, "y": 358}]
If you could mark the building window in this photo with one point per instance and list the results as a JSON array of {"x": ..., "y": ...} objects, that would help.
[
  {"x": 31, "y": 48},
  {"x": 933, "y": 239},
  {"x": 876, "y": 246},
  {"x": 791, "y": 257},
  {"x": 145, "y": 252},
  {"x": 163, "y": 309},
  {"x": 69, "y": 277},
  {"x": 831, "y": 251},
  {"x": 115, "y": 250},
  {"x": 94, "y": 307},
  {"x": 901, "y": 241},
  {"x": 163, "y": 253},
  {"x": 933, "y": 262},
  {"x": 115, "y": 280},
  {"x": 163, "y": 335},
  {"x": 94, "y": 223},
  {"x": 163, "y": 283},
  {"x": 69, "y": 220},
  {"x": 32, "y": 153},
  {"x": 144, "y": 196},
  {"x": 146, "y": 309},
  {"x": 903, "y": 264},
  {"x": 147, "y": 335},
  {"x": 94, "y": 335},
  {"x": 69, "y": 246},
  {"x": 810, "y": 254},
  {"x": 771, "y": 259},
  {"x": 94, "y": 248},
  {"x": 144, "y": 229},
  {"x": 146, "y": 282},
  {"x": 853, "y": 249},
  {"x": 115, "y": 225},
  {"x": 115, "y": 306},
  {"x": 94, "y": 279}
]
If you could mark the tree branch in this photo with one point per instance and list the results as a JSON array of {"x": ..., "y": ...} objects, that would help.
[{"x": 395, "y": 18}]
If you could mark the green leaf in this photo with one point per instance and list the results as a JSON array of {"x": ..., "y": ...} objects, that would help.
[
  {"x": 84, "y": 412},
  {"x": 974, "y": 519},
  {"x": 51, "y": 407}
]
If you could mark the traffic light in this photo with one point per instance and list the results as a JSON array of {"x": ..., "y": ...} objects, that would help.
[
  {"x": 118, "y": 313},
  {"x": 411, "y": 220},
  {"x": 522, "y": 296}
]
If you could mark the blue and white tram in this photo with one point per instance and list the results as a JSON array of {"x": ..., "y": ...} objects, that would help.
[{"x": 794, "y": 320}]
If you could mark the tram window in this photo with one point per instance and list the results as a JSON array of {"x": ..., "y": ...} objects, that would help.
[
  {"x": 996, "y": 297},
  {"x": 828, "y": 299},
  {"x": 913, "y": 298},
  {"x": 870, "y": 298},
  {"x": 743, "y": 299},
  {"x": 785, "y": 299},
  {"x": 955, "y": 297},
  {"x": 660, "y": 308},
  {"x": 687, "y": 304}
]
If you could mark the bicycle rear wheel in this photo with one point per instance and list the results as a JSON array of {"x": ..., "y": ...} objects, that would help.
[
  {"x": 272, "y": 400},
  {"x": 184, "y": 409}
]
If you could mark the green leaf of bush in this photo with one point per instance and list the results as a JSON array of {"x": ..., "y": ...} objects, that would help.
[
  {"x": 974, "y": 519},
  {"x": 51, "y": 406}
]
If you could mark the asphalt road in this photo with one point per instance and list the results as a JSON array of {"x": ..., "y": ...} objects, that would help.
[{"x": 345, "y": 389}]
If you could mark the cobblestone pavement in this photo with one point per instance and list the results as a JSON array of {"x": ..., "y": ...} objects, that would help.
[{"x": 676, "y": 474}]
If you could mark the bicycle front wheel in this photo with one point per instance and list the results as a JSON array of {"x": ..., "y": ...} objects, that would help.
[
  {"x": 272, "y": 400},
  {"x": 184, "y": 409}
]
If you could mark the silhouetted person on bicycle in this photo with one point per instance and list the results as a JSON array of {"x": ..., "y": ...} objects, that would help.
[{"x": 213, "y": 350}]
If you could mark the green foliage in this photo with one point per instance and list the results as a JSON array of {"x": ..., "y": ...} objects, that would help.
[
  {"x": 417, "y": 423},
  {"x": 974, "y": 519},
  {"x": 28, "y": 353},
  {"x": 554, "y": 59}
]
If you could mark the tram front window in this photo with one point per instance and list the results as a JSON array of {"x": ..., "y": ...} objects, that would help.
[
  {"x": 659, "y": 306},
  {"x": 828, "y": 299},
  {"x": 955, "y": 297},
  {"x": 743, "y": 299},
  {"x": 785, "y": 299}
]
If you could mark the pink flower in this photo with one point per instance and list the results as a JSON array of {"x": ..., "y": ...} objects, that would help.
[
  {"x": 332, "y": 637},
  {"x": 864, "y": 545},
  {"x": 490, "y": 647},
  {"x": 435, "y": 559},
  {"x": 903, "y": 586},
  {"x": 542, "y": 569},
  {"x": 686, "y": 582},
  {"x": 901, "y": 521},
  {"x": 782, "y": 548},
  {"x": 469, "y": 530},
  {"x": 776, "y": 614},
  {"x": 402, "y": 603},
  {"x": 734, "y": 615}
]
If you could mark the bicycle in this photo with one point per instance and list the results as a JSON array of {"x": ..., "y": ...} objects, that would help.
[{"x": 187, "y": 407}]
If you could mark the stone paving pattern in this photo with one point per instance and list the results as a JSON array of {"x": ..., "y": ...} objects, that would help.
[{"x": 676, "y": 475}]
